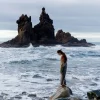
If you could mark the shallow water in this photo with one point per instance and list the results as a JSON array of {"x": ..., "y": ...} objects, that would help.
[{"x": 35, "y": 70}]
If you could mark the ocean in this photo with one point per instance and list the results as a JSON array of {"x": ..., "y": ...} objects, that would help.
[{"x": 26, "y": 73}]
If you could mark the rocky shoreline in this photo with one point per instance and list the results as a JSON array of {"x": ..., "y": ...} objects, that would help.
[{"x": 42, "y": 34}]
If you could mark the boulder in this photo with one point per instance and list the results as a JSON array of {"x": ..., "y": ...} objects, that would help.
[
  {"x": 62, "y": 92},
  {"x": 94, "y": 95},
  {"x": 24, "y": 32}
]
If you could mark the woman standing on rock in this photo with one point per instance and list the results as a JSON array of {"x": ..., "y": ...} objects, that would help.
[{"x": 63, "y": 67}]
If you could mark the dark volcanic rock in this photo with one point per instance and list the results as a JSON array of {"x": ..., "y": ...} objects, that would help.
[
  {"x": 24, "y": 32},
  {"x": 63, "y": 37},
  {"x": 43, "y": 32},
  {"x": 62, "y": 92},
  {"x": 67, "y": 40},
  {"x": 83, "y": 41}
]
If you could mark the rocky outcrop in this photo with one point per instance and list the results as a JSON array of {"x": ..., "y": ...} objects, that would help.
[
  {"x": 24, "y": 32},
  {"x": 62, "y": 92},
  {"x": 66, "y": 39},
  {"x": 94, "y": 95},
  {"x": 63, "y": 37},
  {"x": 43, "y": 32}
]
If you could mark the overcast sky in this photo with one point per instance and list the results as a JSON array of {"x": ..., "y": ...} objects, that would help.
[{"x": 69, "y": 15}]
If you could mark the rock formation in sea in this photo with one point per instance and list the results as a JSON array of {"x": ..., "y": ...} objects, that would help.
[
  {"x": 63, "y": 37},
  {"x": 41, "y": 34},
  {"x": 66, "y": 39},
  {"x": 24, "y": 32}
]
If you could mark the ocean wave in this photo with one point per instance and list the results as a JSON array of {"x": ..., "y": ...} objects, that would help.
[
  {"x": 52, "y": 59},
  {"x": 37, "y": 76},
  {"x": 21, "y": 62},
  {"x": 36, "y": 70}
]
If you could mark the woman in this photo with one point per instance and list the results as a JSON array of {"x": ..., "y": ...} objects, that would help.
[{"x": 63, "y": 67}]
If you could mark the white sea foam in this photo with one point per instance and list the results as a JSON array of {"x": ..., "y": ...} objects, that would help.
[{"x": 36, "y": 70}]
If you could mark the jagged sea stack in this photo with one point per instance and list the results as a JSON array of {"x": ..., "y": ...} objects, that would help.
[
  {"x": 66, "y": 39},
  {"x": 24, "y": 32},
  {"x": 43, "y": 32}
]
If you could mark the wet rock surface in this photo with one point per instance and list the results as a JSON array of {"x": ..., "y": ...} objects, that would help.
[{"x": 62, "y": 92}]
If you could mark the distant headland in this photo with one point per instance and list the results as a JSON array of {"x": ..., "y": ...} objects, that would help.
[{"x": 42, "y": 34}]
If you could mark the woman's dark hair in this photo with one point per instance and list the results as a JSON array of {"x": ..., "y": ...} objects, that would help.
[{"x": 60, "y": 51}]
